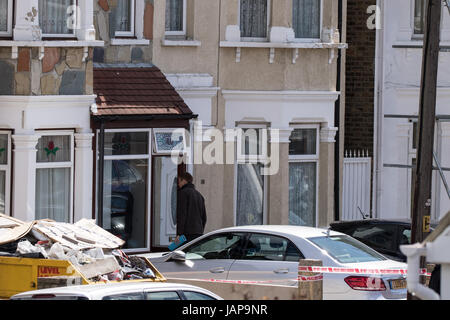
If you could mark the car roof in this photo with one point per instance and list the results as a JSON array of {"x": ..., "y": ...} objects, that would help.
[
  {"x": 110, "y": 288},
  {"x": 305, "y": 232},
  {"x": 406, "y": 222}
]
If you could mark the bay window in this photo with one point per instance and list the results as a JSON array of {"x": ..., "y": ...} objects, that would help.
[
  {"x": 306, "y": 18},
  {"x": 254, "y": 19},
  {"x": 56, "y": 18},
  {"x": 124, "y": 18},
  {"x": 303, "y": 174},
  {"x": 54, "y": 176},
  {"x": 5, "y": 171},
  {"x": 6, "y": 7},
  {"x": 175, "y": 17},
  {"x": 250, "y": 189}
]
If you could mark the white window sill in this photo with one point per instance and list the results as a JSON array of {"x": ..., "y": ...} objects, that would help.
[
  {"x": 181, "y": 43},
  {"x": 416, "y": 44},
  {"x": 15, "y": 45},
  {"x": 52, "y": 43},
  {"x": 129, "y": 42},
  {"x": 283, "y": 45},
  {"x": 295, "y": 46}
]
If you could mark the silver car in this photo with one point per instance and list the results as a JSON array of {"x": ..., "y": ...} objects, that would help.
[
  {"x": 271, "y": 254},
  {"x": 121, "y": 291}
]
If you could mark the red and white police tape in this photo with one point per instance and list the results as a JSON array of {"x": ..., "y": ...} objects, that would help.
[
  {"x": 357, "y": 270},
  {"x": 319, "y": 276}
]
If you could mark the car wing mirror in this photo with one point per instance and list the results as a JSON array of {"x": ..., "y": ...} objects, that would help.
[{"x": 178, "y": 255}]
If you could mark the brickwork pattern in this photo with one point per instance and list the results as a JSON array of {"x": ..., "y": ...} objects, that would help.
[{"x": 360, "y": 77}]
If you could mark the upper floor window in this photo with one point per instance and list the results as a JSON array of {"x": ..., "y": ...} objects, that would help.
[
  {"x": 306, "y": 18},
  {"x": 419, "y": 16},
  {"x": 176, "y": 17},
  {"x": 5, "y": 17},
  {"x": 254, "y": 19},
  {"x": 124, "y": 18},
  {"x": 56, "y": 18}
]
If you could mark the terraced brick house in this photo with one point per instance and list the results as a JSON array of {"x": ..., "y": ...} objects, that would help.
[{"x": 97, "y": 108}]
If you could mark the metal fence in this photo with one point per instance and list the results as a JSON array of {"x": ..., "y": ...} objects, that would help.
[{"x": 356, "y": 185}]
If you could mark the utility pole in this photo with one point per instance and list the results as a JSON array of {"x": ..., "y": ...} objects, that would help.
[{"x": 421, "y": 213}]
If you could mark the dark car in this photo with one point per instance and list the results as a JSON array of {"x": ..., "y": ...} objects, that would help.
[{"x": 385, "y": 236}]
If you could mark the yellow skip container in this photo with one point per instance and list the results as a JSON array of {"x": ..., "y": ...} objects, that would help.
[{"x": 19, "y": 275}]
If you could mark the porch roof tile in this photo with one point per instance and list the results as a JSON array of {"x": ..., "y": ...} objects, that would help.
[{"x": 135, "y": 90}]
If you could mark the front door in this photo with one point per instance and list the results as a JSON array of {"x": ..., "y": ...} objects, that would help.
[{"x": 165, "y": 173}]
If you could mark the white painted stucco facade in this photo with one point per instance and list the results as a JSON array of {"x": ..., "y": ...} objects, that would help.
[{"x": 398, "y": 74}]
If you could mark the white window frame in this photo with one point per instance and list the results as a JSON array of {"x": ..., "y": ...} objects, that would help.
[
  {"x": 62, "y": 165},
  {"x": 269, "y": 15},
  {"x": 63, "y": 35},
  {"x": 309, "y": 40},
  {"x": 415, "y": 36},
  {"x": 148, "y": 157},
  {"x": 182, "y": 32},
  {"x": 8, "y": 31},
  {"x": 250, "y": 160},
  {"x": 131, "y": 33},
  {"x": 313, "y": 158},
  {"x": 263, "y": 156},
  {"x": 7, "y": 169}
]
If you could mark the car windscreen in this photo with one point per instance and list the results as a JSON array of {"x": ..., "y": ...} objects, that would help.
[{"x": 345, "y": 249}]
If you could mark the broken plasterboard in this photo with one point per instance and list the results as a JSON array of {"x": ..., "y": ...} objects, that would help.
[
  {"x": 12, "y": 229},
  {"x": 99, "y": 267},
  {"x": 84, "y": 234}
]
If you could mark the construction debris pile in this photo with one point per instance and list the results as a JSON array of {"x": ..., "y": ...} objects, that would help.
[{"x": 93, "y": 251}]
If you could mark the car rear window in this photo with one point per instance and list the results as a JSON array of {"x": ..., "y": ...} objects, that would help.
[
  {"x": 346, "y": 249},
  {"x": 190, "y": 295}
]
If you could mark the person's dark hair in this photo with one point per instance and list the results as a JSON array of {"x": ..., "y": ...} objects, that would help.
[{"x": 186, "y": 176}]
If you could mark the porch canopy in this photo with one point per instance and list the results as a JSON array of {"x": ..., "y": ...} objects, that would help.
[
  {"x": 125, "y": 91},
  {"x": 133, "y": 96}
]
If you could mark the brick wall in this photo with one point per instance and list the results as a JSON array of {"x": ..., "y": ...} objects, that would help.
[{"x": 360, "y": 76}]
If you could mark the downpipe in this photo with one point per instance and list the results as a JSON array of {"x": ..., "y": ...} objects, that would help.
[{"x": 414, "y": 252}]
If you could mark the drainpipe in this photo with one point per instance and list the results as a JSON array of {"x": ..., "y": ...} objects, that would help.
[
  {"x": 337, "y": 123},
  {"x": 378, "y": 116},
  {"x": 101, "y": 176},
  {"x": 414, "y": 253}
]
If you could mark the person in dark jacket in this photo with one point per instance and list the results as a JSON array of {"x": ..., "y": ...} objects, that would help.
[{"x": 191, "y": 211}]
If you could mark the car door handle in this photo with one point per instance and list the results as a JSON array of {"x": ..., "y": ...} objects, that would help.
[
  {"x": 217, "y": 270},
  {"x": 281, "y": 271}
]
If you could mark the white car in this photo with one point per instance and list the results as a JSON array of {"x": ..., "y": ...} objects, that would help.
[
  {"x": 121, "y": 291},
  {"x": 271, "y": 254}
]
